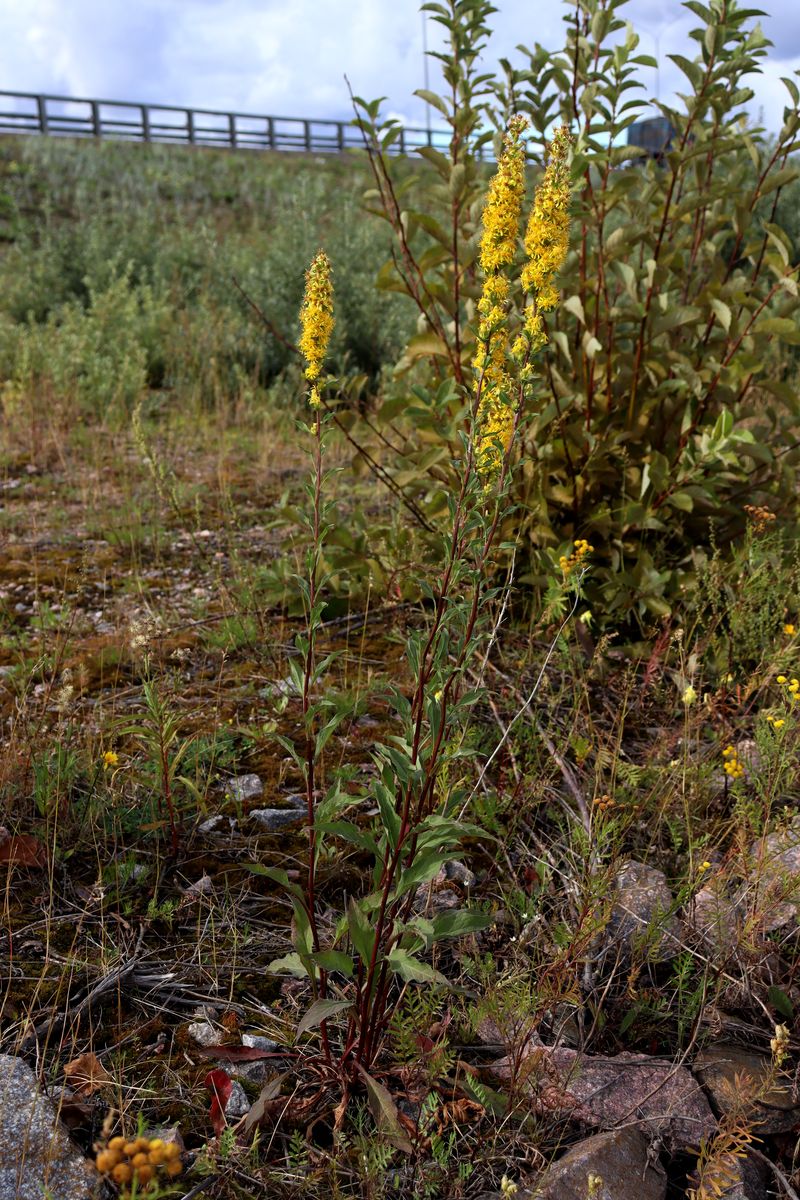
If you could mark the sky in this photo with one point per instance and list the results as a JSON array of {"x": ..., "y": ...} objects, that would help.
[{"x": 289, "y": 57}]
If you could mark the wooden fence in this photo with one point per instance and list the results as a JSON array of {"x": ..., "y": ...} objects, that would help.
[{"x": 67, "y": 116}]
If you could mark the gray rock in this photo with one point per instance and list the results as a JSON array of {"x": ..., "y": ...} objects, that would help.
[
  {"x": 714, "y": 917},
  {"x": 238, "y": 1104},
  {"x": 639, "y": 916},
  {"x": 619, "y": 1159},
  {"x": 774, "y": 891},
  {"x": 446, "y": 890},
  {"x": 203, "y": 1033},
  {"x": 37, "y": 1158},
  {"x": 254, "y": 1041},
  {"x": 603, "y": 1093},
  {"x": 244, "y": 787},
  {"x": 274, "y": 819},
  {"x": 717, "y": 1068}
]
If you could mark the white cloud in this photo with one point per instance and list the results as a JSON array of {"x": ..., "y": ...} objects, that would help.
[{"x": 290, "y": 58}]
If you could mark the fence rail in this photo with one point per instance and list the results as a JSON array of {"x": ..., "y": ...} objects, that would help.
[{"x": 69, "y": 116}]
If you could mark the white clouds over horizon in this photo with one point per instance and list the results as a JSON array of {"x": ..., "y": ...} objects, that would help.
[{"x": 270, "y": 56}]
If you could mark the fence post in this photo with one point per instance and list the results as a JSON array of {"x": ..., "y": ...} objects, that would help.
[
  {"x": 190, "y": 125},
  {"x": 402, "y": 140},
  {"x": 232, "y": 129},
  {"x": 96, "y": 127},
  {"x": 307, "y": 134},
  {"x": 340, "y": 136},
  {"x": 270, "y": 133},
  {"x": 145, "y": 122},
  {"x": 41, "y": 108}
]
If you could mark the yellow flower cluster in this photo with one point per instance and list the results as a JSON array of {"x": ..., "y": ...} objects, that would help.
[
  {"x": 110, "y": 759},
  {"x": 603, "y": 803},
  {"x": 501, "y": 216},
  {"x": 789, "y": 629},
  {"x": 316, "y": 319},
  {"x": 760, "y": 516},
  {"x": 139, "y": 1162},
  {"x": 733, "y": 765},
  {"x": 575, "y": 560},
  {"x": 779, "y": 1045},
  {"x": 776, "y": 722},
  {"x": 792, "y": 686},
  {"x": 547, "y": 240}
]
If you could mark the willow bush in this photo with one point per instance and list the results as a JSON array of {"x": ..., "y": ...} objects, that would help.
[{"x": 666, "y": 398}]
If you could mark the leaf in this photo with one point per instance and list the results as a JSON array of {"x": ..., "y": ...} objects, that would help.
[
  {"x": 781, "y": 1002},
  {"x": 86, "y": 1074},
  {"x": 290, "y": 964},
  {"x": 458, "y": 923},
  {"x": 362, "y": 935},
  {"x": 385, "y": 1112},
  {"x": 722, "y": 312},
  {"x": 269, "y": 1104},
  {"x": 220, "y": 1084},
  {"x": 412, "y": 969},
  {"x": 241, "y": 1053},
  {"x": 334, "y": 960},
  {"x": 23, "y": 850},
  {"x": 320, "y": 1011}
]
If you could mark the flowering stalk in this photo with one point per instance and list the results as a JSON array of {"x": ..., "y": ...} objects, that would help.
[{"x": 316, "y": 318}]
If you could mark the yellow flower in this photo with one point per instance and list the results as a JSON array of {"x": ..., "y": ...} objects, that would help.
[
  {"x": 782, "y": 679},
  {"x": 501, "y": 216},
  {"x": 508, "y": 1187},
  {"x": 689, "y": 695},
  {"x": 110, "y": 759},
  {"x": 789, "y": 629},
  {"x": 704, "y": 866},
  {"x": 547, "y": 238},
  {"x": 316, "y": 319}
]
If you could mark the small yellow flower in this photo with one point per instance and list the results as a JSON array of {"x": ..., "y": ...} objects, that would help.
[
  {"x": 704, "y": 866},
  {"x": 508, "y": 1187},
  {"x": 789, "y": 629},
  {"x": 547, "y": 238},
  {"x": 778, "y": 724},
  {"x": 782, "y": 679},
  {"x": 779, "y": 1045},
  {"x": 689, "y": 695},
  {"x": 110, "y": 759}
]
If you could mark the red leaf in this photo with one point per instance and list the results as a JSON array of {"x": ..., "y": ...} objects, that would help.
[
  {"x": 23, "y": 851},
  {"x": 220, "y": 1085},
  {"x": 242, "y": 1053}
]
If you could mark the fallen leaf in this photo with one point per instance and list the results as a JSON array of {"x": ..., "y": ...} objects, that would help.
[
  {"x": 220, "y": 1084},
  {"x": 86, "y": 1074},
  {"x": 268, "y": 1105},
  {"x": 23, "y": 851},
  {"x": 241, "y": 1053}
]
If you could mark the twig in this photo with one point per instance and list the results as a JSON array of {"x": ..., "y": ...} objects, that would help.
[{"x": 776, "y": 1171}]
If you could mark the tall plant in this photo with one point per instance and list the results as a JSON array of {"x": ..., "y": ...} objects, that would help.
[
  {"x": 418, "y": 791},
  {"x": 664, "y": 400}
]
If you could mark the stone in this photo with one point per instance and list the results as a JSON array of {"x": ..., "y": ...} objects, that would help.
[
  {"x": 774, "y": 890},
  {"x": 642, "y": 913},
  {"x": 619, "y": 1159},
  {"x": 714, "y": 917},
  {"x": 255, "y": 1041},
  {"x": 203, "y": 1033},
  {"x": 244, "y": 787},
  {"x": 275, "y": 819},
  {"x": 716, "y": 1069},
  {"x": 37, "y": 1157},
  {"x": 602, "y": 1093},
  {"x": 238, "y": 1104},
  {"x": 446, "y": 889}
]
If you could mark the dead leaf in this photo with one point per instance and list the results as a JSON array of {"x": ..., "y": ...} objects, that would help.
[
  {"x": 24, "y": 850},
  {"x": 268, "y": 1105},
  {"x": 241, "y": 1053},
  {"x": 86, "y": 1074}
]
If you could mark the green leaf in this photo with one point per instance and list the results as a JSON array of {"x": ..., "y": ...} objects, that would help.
[
  {"x": 320, "y": 1011},
  {"x": 334, "y": 960},
  {"x": 362, "y": 934},
  {"x": 290, "y": 964},
  {"x": 781, "y": 1002},
  {"x": 459, "y": 923},
  {"x": 412, "y": 969},
  {"x": 385, "y": 1112}
]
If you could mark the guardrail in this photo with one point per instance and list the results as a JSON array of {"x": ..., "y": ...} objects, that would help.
[{"x": 69, "y": 116}]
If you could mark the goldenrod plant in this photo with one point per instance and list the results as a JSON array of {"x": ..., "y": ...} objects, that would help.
[{"x": 419, "y": 790}]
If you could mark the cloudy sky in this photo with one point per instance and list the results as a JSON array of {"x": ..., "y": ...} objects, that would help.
[{"x": 289, "y": 57}]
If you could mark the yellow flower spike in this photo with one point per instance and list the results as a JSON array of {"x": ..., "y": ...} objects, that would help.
[
  {"x": 547, "y": 238},
  {"x": 316, "y": 319},
  {"x": 501, "y": 217}
]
